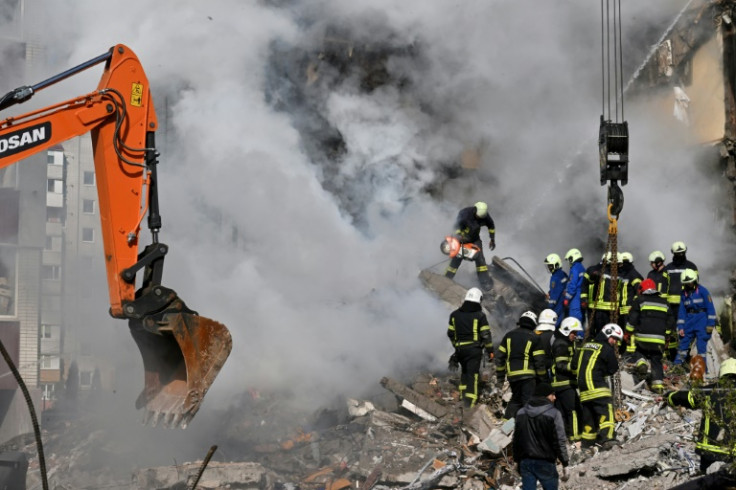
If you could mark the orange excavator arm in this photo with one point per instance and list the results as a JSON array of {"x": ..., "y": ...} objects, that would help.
[{"x": 182, "y": 351}]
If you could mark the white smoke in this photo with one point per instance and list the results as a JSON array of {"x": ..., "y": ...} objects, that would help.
[{"x": 312, "y": 263}]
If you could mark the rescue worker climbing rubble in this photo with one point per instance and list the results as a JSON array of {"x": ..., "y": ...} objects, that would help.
[
  {"x": 520, "y": 359},
  {"x": 649, "y": 323},
  {"x": 564, "y": 379},
  {"x": 715, "y": 439},
  {"x": 595, "y": 361},
  {"x": 573, "y": 293},
  {"x": 470, "y": 333},
  {"x": 696, "y": 317},
  {"x": 468, "y": 225},
  {"x": 557, "y": 285}
]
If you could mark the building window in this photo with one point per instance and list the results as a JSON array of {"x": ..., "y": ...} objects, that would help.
[
  {"x": 89, "y": 178},
  {"x": 49, "y": 391},
  {"x": 50, "y": 362},
  {"x": 88, "y": 235},
  {"x": 88, "y": 206},
  {"x": 55, "y": 186},
  {"x": 51, "y": 272},
  {"x": 50, "y": 159},
  {"x": 46, "y": 332}
]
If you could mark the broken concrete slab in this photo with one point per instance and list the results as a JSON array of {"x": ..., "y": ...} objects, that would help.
[
  {"x": 216, "y": 475},
  {"x": 415, "y": 398}
]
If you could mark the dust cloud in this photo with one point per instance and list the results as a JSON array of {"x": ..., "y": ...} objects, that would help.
[{"x": 299, "y": 213}]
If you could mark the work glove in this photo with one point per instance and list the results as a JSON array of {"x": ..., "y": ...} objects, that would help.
[
  {"x": 627, "y": 338},
  {"x": 490, "y": 356},
  {"x": 565, "y": 473},
  {"x": 583, "y": 304},
  {"x": 681, "y": 333},
  {"x": 492, "y": 243},
  {"x": 709, "y": 329},
  {"x": 452, "y": 364},
  {"x": 718, "y": 329},
  {"x": 566, "y": 303}
]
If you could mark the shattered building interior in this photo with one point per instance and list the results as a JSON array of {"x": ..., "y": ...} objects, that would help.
[{"x": 358, "y": 115}]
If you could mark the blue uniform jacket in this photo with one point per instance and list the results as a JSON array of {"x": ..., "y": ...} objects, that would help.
[
  {"x": 575, "y": 284},
  {"x": 557, "y": 285},
  {"x": 696, "y": 310}
]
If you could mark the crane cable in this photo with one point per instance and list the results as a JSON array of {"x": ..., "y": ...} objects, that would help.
[{"x": 612, "y": 103}]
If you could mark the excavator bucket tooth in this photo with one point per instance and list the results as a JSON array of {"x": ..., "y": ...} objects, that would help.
[{"x": 180, "y": 363}]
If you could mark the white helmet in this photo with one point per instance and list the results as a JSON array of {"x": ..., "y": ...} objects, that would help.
[
  {"x": 553, "y": 260},
  {"x": 678, "y": 247},
  {"x": 547, "y": 320},
  {"x": 570, "y": 325},
  {"x": 474, "y": 295},
  {"x": 613, "y": 330},
  {"x": 528, "y": 319},
  {"x": 481, "y": 209},
  {"x": 656, "y": 256},
  {"x": 627, "y": 257}
]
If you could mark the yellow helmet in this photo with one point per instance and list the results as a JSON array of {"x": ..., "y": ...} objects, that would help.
[
  {"x": 481, "y": 209},
  {"x": 573, "y": 255},
  {"x": 553, "y": 260},
  {"x": 689, "y": 276},
  {"x": 679, "y": 248},
  {"x": 728, "y": 366},
  {"x": 627, "y": 257},
  {"x": 656, "y": 256}
]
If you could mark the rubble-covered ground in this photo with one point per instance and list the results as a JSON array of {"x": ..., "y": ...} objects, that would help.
[{"x": 413, "y": 436}]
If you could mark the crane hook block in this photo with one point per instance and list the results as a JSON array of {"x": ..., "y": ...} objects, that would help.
[{"x": 613, "y": 145}]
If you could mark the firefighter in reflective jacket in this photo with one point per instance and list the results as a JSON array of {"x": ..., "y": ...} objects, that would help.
[
  {"x": 630, "y": 281},
  {"x": 557, "y": 285},
  {"x": 596, "y": 360},
  {"x": 696, "y": 318},
  {"x": 521, "y": 360},
  {"x": 714, "y": 441},
  {"x": 649, "y": 323},
  {"x": 603, "y": 299},
  {"x": 591, "y": 278},
  {"x": 658, "y": 274},
  {"x": 470, "y": 333},
  {"x": 468, "y": 224},
  {"x": 564, "y": 379}
]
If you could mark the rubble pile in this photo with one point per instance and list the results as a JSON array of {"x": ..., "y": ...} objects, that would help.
[{"x": 418, "y": 437}]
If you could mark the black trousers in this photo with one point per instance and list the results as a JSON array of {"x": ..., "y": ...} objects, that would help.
[
  {"x": 568, "y": 403},
  {"x": 521, "y": 392},
  {"x": 598, "y": 420},
  {"x": 470, "y": 358}
]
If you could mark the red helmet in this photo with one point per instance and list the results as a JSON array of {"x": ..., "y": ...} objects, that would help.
[{"x": 647, "y": 284}]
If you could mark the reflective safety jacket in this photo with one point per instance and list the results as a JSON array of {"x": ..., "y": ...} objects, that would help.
[
  {"x": 590, "y": 281},
  {"x": 713, "y": 435},
  {"x": 602, "y": 290},
  {"x": 520, "y": 355},
  {"x": 469, "y": 326},
  {"x": 557, "y": 285},
  {"x": 563, "y": 352},
  {"x": 467, "y": 225},
  {"x": 650, "y": 320},
  {"x": 662, "y": 280},
  {"x": 696, "y": 310},
  {"x": 675, "y": 270},
  {"x": 630, "y": 280},
  {"x": 595, "y": 360}
]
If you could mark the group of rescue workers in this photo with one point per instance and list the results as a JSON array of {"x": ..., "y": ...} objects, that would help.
[{"x": 593, "y": 315}]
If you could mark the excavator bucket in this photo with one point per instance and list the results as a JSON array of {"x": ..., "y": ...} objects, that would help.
[{"x": 180, "y": 362}]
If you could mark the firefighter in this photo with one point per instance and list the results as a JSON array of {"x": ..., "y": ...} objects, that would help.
[
  {"x": 521, "y": 360},
  {"x": 649, "y": 324},
  {"x": 696, "y": 318},
  {"x": 574, "y": 290},
  {"x": 591, "y": 278},
  {"x": 715, "y": 440},
  {"x": 545, "y": 330},
  {"x": 557, "y": 285},
  {"x": 468, "y": 225},
  {"x": 605, "y": 306},
  {"x": 596, "y": 360},
  {"x": 630, "y": 281},
  {"x": 675, "y": 269},
  {"x": 564, "y": 379},
  {"x": 470, "y": 333},
  {"x": 658, "y": 273}
]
